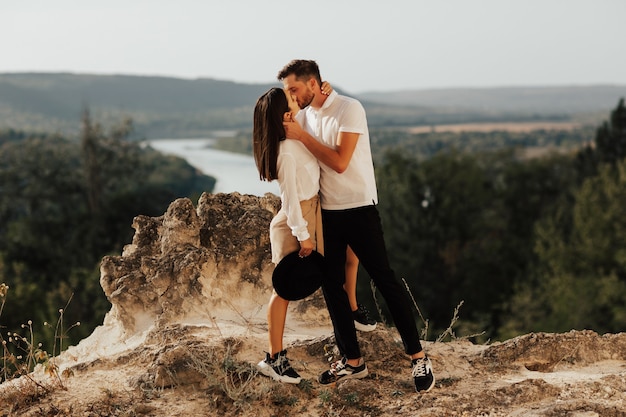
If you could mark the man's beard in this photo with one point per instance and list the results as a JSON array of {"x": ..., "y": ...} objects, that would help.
[{"x": 307, "y": 99}]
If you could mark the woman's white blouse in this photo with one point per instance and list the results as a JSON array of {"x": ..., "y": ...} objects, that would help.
[{"x": 298, "y": 180}]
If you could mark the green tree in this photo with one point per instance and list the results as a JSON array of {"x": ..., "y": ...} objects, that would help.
[
  {"x": 610, "y": 144},
  {"x": 611, "y": 137},
  {"x": 459, "y": 227},
  {"x": 580, "y": 280},
  {"x": 64, "y": 204},
  {"x": 437, "y": 219},
  {"x": 43, "y": 215}
]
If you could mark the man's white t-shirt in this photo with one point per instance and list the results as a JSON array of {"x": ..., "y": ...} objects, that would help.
[{"x": 356, "y": 186}]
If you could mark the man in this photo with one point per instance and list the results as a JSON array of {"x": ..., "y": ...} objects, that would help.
[{"x": 334, "y": 129}]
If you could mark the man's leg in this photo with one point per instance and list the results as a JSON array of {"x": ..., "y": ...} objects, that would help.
[{"x": 367, "y": 241}]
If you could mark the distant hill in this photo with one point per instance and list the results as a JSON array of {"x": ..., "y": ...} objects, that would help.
[
  {"x": 160, "y": 106},
  {"x": 550, "y": 100},
  {"x": 173, "y": 107}
]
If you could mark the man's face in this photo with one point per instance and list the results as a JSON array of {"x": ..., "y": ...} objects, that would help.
[{"x": 300, "y": 91}]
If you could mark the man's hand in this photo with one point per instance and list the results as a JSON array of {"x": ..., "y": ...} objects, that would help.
[
  {"x": 293, "y": 130},
  {"x": 337, "y": 159}
]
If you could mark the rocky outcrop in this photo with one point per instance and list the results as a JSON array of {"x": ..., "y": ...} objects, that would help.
[{"x": 203, "y": 263}]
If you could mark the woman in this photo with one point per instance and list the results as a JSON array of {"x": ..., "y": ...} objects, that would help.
[{"x": 295, "y": 227}]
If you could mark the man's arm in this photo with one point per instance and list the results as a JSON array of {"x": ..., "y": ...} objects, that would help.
[{"x": 338, "y": 159}]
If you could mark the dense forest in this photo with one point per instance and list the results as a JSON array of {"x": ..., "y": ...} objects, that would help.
[
  {"x": 64, "y": 204},
  {"x": 525, "y": 244},
  {"x": 521, "y": 244}
]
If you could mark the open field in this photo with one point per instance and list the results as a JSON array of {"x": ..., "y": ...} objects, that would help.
[{"x": 489, "y": 127}]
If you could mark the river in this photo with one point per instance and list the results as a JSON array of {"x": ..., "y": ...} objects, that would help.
[{"x": 233, "y": 171}]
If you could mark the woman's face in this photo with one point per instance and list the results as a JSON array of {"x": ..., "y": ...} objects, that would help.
[{"x": 293, "y": 108}]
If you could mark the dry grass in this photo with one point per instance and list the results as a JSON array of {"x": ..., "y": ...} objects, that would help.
[{"x": 22, "y": 354}]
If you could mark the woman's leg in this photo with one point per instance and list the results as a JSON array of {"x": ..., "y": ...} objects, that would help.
[
  {"x": 362, "y": 319},
  {"x": 352, "y": 268},
  {"x": 276, "y": 316},
  {"x": 276, "y": 365}
]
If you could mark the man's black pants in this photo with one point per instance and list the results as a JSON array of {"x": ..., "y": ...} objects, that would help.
[{"x": 361, "y": 228}]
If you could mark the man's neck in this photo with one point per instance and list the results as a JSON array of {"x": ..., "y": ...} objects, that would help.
[{"x": 318, "y": 101}]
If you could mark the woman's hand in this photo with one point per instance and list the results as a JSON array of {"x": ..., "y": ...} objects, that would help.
[
  {"x": 326, "y": 88},
  {"x": 306, "y": 247}
]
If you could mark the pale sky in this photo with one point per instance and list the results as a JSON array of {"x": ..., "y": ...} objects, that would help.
[{"x": 360, "y": 45}]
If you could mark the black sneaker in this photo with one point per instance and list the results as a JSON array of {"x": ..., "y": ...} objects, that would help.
[
  {"x": 342, "y": 370},
  {"x": 362, "y": 319},
  {"x": 423, "y": 374},
  {"x": 278, "y": 368}
]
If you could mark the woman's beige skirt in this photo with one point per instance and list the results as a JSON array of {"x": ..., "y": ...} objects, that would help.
[{"x": 281, "y": 239}]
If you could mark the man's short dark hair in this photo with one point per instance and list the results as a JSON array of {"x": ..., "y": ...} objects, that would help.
[{"x": 303, "y": 69}]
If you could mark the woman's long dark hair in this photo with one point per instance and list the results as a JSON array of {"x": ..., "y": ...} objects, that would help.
[{"x": 268, "y": 131}]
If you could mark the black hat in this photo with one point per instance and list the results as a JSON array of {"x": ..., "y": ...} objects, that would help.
[{"x": 295, "y": 278}]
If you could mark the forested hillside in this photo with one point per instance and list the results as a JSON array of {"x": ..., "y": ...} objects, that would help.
[
  {"x": 160, "y": 107},
  {"x": 163, "y": 107},
  {"x": 523, "y": 244},
  {"x": 528, "y": 100},
  {"x": 64, "y": 204}
]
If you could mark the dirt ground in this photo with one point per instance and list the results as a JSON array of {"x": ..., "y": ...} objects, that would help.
[{"x": 209, "y": 370}]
